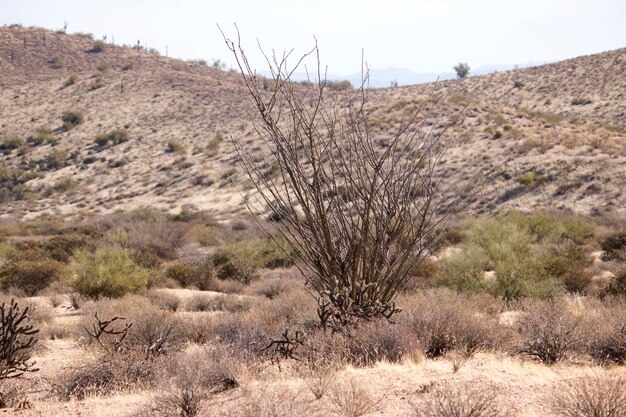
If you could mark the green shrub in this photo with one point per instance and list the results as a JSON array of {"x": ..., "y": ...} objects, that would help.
[
  {"x": 197, "y": 273},
  {"x": 108, "y": 273},
  {"x": 72, "y": 118},
  {"x": 9, "y": 144},
  {"x": 30, "y": 270},
  {"x": 527, "y": 179},
  {"x": 462, "y": 69}
]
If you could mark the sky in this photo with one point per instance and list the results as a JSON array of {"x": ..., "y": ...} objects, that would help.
[{"x": 418, "y": 35}]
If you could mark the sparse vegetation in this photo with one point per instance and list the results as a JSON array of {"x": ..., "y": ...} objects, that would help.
[
  {"x": 114, "y": 137},
  {"x": 72, "y": 118},
  {"x": 98, "y": 46}
]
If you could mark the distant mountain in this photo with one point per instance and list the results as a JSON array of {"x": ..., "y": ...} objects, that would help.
[{"x": 386, "y": 77}]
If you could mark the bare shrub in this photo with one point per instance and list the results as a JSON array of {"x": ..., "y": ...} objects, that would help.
[
  {"x": 161, "y": 237},
  {"x": 193, "y": 376},
  {"x": 270, "y": 402},
  {"x": 460, "y": 402},
  {"x": 107, "y": 375},
  {"x": 199, "y": 302},
  {"x": 163, "y": 299},
  {"x": 548, "y": 331},
  {"x": 381, "y": 340},
  {"x": 603, "y": 333},
  {"x": 591, "y": 396},
  {"x": 154, "y": 332},
  {"x": 446, "y": 322},
  {"x": 352, "y": 400},
  {"x": 358, "y": 216}
]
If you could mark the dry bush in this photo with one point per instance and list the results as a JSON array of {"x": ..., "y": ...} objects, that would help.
[
  {"x": 548, "y": 331},
  {"x": 154, "y": 332},
  {"x": 599, "y": 396},
  {"x": 229, "y": 286},
  {"x": 270, "y": 402},
  {"x": 270, "y": 288},
  {"x": 359, "y": 217},
  {"x": 163, "y": 299},
  {"x": 381, "y": 340},
  {"x": 107, "y": 375},
  {"x": 319, "y": 374},
  {"x": 352, "y": 400},
  {"x": 194, "y": 375},
  {"x": 198, "y": 273},
  {"x": 445, "y": 322},
  {"x": 160, "y": 236},
  {"x": 603, "y": 331},
  {"x": 461, "y": 402},
  {"x": 199, "y": 302}
]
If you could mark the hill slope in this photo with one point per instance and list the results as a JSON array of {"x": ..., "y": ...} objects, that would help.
[{"x": 552, "y": 136}]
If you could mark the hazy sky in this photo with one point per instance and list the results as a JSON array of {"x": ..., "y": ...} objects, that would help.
[{"x": 422, "y": 36}]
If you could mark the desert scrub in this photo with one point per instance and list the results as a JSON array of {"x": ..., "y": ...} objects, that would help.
[
  {"x": 108, "y": 272},
  {"x": 591, "y": 396},
  {"x": 30, "y": 270},
  {"x": 42, "y": 136},
  {"x": 7, "y": 145},
  {"x": 114, "y": 137},
  {"x": 72, "y": 118},
  {"x": 98, "y": 46},
  {"x": 240, "y": 260},
  {"x": 528, "y": 255},
  {"x": 614, "y": 246},
  {"x": 55, "y": 160},
  {"x": 198, "y": 273},
  {"x": 175, "y": 147},
  {"x": 549, "y": 331}
]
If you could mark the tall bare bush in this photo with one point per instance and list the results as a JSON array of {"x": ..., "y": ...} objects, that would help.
[{"x": 357, "y": 211}]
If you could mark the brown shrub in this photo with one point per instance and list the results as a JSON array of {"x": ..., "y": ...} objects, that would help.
[
  {"x": 161, "y": 237},
  {"x": 461, "y": 402},
  {"x": 352, "y": 400},
  {"x": 591, "y": 396},
  {"x": 443, "y": 322},
  {"x": 548, "y": 331}
]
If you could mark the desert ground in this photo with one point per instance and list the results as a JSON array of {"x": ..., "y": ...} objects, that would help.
[{"x": 149, "y": 289}]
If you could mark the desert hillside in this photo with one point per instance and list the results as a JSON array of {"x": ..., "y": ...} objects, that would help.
[{"x": 155, "y": 131}]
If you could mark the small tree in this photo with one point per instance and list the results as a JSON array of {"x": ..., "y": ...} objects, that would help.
[
  {"x": 359, "y": 216},
  {"x": 462, "y": 69}
]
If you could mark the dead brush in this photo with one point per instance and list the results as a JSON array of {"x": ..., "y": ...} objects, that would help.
[
  {"x": 350, "y": 399},
  {"x": 597, "y": 396},
  {"x": 476, "y": 401},
  {"x": 268, "y": 401},
  {"x": 445, "y": 322},
  {"x": 548, "y": 331}
]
